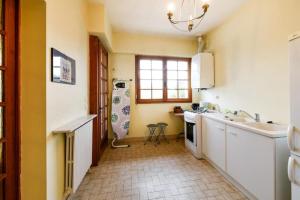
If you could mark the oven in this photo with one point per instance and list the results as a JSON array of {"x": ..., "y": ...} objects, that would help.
[{"x": 192, "y": 133}]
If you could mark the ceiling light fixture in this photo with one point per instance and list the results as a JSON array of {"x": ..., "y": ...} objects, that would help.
[{"x": 193, "y": 20}]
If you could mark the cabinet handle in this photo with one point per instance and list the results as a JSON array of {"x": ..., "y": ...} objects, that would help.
[
  {"x": 290, "y": 137},
  {"x": 220, "y": 128},
  {"x": 234, "y": 134}
]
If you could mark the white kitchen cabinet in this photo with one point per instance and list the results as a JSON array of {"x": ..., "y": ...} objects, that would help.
[
  {"x": 256, "y": 162},
  {"x": 203, "y": 75},
  {"x": 213, "y": 134},
  {"x": 250, "y": 161}
]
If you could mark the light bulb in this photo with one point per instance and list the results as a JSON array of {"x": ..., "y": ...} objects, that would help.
[
  {"x": 171, "y": 8},
  {"x": 205, "y": 1},
  {"x": 190, "y": 20}
]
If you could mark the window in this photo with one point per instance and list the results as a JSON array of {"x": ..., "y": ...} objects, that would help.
[{"x": 163, "y": 79}]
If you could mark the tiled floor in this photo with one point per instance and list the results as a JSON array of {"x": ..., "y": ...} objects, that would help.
[{"x": 167, "y": 171}]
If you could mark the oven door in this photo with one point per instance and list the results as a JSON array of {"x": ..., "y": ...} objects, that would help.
[{"x": 190, "y": 132}]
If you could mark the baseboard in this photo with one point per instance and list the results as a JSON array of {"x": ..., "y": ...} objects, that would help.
[{"x": 141, "y": 139}]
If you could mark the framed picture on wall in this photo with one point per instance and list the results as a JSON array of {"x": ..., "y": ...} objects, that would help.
[{"x": 62, "y": 68}]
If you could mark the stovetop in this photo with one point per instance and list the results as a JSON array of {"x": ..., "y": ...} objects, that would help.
[{"x": 198, "y": 111}]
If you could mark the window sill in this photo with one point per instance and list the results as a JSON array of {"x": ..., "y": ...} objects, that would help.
[{"x": 140, "y": 101}]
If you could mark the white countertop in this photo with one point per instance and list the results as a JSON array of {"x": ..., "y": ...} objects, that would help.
[{"x": 272, "y": 134}]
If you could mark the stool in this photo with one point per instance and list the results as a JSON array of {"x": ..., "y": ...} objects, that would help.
[
  {"x": 162, "y": 127},
  {"x": 151, "y": 137}
]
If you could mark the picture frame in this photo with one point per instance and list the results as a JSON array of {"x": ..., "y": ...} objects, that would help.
[{"x": 62, "y": 68}]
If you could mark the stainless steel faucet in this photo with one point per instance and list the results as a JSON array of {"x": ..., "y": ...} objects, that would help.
[{"x": 256, "y": 118}]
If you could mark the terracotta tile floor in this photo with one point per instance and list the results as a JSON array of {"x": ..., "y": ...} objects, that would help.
[{"x": 166, "y": 172}]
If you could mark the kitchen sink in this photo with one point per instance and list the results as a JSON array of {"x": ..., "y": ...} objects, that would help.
[
  {"x": 237, "y": 119},
  {"x": 266, "y": 126}
]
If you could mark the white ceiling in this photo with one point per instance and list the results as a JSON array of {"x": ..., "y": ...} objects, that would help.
[{"x": 149, "y": 16}]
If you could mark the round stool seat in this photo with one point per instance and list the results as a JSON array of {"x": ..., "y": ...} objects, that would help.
[
  {"x": 162, "y": 124},
  {"x": 152, "y": 125}
]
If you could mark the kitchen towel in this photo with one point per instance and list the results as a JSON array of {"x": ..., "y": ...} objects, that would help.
[{"x": 120, "y": 112}]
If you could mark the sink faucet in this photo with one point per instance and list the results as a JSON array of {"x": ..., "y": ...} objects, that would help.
[{"x": 256, "y": 118}]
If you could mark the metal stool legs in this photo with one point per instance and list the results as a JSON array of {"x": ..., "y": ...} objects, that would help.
[
  {"x": 152, "y": 136},
  {"x": 162, "y": 127}
]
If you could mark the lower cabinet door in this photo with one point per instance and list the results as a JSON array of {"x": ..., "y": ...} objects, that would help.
[
  {"x": 215, "y": 142},
  {"x": 251, "y": 162}
]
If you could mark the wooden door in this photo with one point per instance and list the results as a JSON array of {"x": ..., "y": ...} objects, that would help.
[
  {"x": 9, "y": 137},
  {"x": 98, "y": 96},
  {"x": 104, "y": 95}
]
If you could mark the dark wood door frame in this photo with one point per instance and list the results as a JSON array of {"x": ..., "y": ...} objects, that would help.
[
  {"x": 94, "y": 98},
  {"x": 11, "y": 99},
  {"x": 98, "y": 94}
]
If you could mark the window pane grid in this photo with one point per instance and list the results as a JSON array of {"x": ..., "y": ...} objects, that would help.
[
  {"x": 163, "y": 79},
  {"x": 177, "y": 75}
]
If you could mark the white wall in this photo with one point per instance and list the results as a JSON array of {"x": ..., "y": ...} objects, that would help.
[
  {"x": 67, "y": 32},
  {"x": 251, "y": 55}
]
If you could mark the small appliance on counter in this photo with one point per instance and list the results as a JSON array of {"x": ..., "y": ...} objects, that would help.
[
  {"x": 178, "y": 109},
  {"x": 195, "y": 106}
]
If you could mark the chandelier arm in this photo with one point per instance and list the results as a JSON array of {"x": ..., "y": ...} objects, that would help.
[
  {"x": 179, "y": 29},
  {"x": 182, "y": 4},
  {"x": 185, "y": 21},
  {"x": 190, "y": 22},
  {"x": 178, "y": 21},
  {"x": 199, "y": 17},
  {"x": 198, "y": 24}
]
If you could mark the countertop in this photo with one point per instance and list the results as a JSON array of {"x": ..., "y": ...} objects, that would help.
[{"x": 272, "y": 134}]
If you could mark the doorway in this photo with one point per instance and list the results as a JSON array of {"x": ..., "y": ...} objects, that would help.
[
  {"x": 9, "y": 133},
  {"x": 99, "y": 96}
]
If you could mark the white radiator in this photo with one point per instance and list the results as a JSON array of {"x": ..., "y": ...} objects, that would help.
[{"x": 78, "y": 151}]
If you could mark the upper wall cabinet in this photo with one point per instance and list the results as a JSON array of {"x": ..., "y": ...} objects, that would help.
[{"x": 203, "y": 73}]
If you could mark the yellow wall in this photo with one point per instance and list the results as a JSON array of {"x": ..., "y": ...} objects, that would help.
[
  {"x": 67, "y": 32},
  {"x": 122, "y": 66},
  {"x": 99, "y": 24},
  {"x": 251, "y": 54},
  {"x": 33, "y": 100},
  {"x": 153, "y": 45}
]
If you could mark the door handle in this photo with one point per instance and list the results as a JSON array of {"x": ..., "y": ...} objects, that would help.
[
  {"x": 292, "y": 164},
  {"x": 291, "y": 169},
  {"x": 290, "y": 137}
]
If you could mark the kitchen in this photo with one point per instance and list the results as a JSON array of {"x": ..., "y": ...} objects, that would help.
[
  {"x": 140, "y": 99},
  {"x": 237, "y": 123}
]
